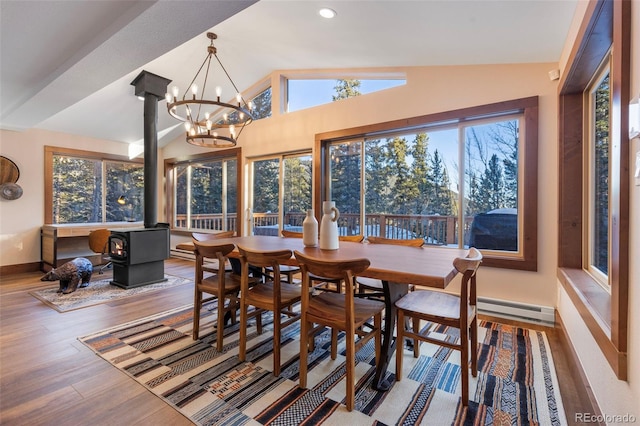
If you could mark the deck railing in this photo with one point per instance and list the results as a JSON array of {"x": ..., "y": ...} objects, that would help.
[{"x": 434, "y": 229}]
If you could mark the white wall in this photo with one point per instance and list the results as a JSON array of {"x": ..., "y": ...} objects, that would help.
[
  {"x": 614, "y": 397},
  {"x": 21, "y": 219}
]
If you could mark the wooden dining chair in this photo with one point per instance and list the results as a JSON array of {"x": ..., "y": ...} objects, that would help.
[
  {"x": 371, "y": 286},
  {"x": 223, "y": 286},
  {"x": 325, "y": 283},
  {"x": 451, "y": 310},
  {"x": 271, "y": 295},
  {"x": 339, "y": 312},
  {"x": 287, "y": 270},
  {"x": 212, "y": 266}
]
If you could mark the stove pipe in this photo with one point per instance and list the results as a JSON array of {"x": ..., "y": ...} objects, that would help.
[{"x": 153, "y": 88}]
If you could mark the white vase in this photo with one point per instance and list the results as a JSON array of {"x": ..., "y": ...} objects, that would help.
[
  {"x": 310, "y": 230},
  {"x": 329, "y": 226}
]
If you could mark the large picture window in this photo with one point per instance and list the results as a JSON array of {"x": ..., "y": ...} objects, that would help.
[
  {"x": 455, "y": 182},
  {"x": 90, "y": 187}
]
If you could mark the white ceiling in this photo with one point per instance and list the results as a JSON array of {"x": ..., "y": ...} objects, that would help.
[{"x": 67, "y": 65}]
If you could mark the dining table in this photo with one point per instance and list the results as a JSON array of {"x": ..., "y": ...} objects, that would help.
[{"x": 396, "y": 266}]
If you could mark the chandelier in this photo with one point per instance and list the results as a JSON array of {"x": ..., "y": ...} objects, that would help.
[{"x": 209, "y": 122}]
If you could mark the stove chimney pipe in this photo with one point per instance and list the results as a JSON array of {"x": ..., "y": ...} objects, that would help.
[{"x": 153, "y": 88}]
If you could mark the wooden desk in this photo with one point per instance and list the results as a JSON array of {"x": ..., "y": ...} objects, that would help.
[
  {"x": 396, "y": 266},
  {"x": 62, "y": 243}
]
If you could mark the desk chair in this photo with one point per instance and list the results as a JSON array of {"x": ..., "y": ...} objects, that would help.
[
  {"x": 99, "y": 243},
  {"x": 373, "y": 285},
  {"x": 339, "y": 312},
  {"x": 270, "y": 295},
  {"x": 452, "y": 310}
]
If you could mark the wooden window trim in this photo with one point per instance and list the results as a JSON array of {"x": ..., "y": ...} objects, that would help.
[
  {"x": 529, "y": 259},
  {"x": 606, "y": 22},
  {"x": 50, "y": 152},
  {"x": 169, "y": 163}
]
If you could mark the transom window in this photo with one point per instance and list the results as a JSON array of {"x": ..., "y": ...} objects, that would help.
[{"x": 307, "y": 93}]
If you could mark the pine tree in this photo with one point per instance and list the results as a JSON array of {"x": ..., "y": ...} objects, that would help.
[
  {"x": 419, "y": 173},
  {"x": 346, "y": 88}
]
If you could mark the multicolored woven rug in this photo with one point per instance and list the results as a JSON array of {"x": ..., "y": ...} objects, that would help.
[
  {"x": 516, "y": 383},
  {"x": 97, "y": 292}
]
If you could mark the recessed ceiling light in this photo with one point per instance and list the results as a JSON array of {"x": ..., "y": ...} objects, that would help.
[{"x": 325, "y": 12}]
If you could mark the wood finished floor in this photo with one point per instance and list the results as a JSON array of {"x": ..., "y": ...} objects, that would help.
[{"x": 47, "y": 377}]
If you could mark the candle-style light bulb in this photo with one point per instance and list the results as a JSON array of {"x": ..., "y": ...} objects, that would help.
[
  {"x": 176, "y": 91},
  {"x": 187, "y": 125},
  {"x": 192, "y": 132},
  {"x": 225, "y": 116},
  {"x": 209, "y": 124},
  {"x": 218, "y": 92},
  {"x": 167, "y": 96},
  {"x": 238, "y": 98},
  {"x": 251, "y": 105},
  {"x": 194, "y": 90},
  {"x": 232, "y": 130}
]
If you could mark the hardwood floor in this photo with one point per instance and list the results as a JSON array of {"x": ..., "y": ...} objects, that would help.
[{"x": 48, "y": 377}]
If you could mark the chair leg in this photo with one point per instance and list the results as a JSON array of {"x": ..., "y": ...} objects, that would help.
[
  {"x": 276, "y": 343},
  {"x": 474, "y": 347},
  {"x": 377, "y": 323},
  {"x": 399, "y": 344},
  {"x": 242, "y": 349},
  {"x": 197, "y": 306},
  {"x": 351, "y": 368},
  {"x": 334, "y": 343},
  {"x": 304, "y": 349},
  {"x": 416, "y": 342},
  {"x": 220, "y": 326},
  {"x": 464, "y": 364}
]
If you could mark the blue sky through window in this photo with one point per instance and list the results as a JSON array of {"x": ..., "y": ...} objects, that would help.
[{"x": 309, "y": 93}]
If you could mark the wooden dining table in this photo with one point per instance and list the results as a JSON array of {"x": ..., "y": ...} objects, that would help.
[{"x": 396, "y": 266}]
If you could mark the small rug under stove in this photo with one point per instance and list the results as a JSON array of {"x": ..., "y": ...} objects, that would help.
[{"x": 97, "y": 292}]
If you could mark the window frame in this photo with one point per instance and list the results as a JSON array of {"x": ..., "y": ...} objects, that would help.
[
  {"x": 528, "y": 260},
  {"x": 606, "y": 24},
  {"x": 589, "y": 209},
  {"x": 281, "y": 157},
  {"x": 170, "y": 163},
  {"x": 51, "y": 151}
]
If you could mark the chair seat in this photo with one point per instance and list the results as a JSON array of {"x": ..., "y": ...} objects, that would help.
[
  {"x": 369, "y": 282},
  {"x": 330, "y": 308},
  {"x": 433, "y": 304},
  {"x": 261, "y": 295},
  {"x": 231, "y": 283}
]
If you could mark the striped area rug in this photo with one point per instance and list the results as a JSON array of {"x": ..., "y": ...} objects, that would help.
[{"x": 516, "y": 383}]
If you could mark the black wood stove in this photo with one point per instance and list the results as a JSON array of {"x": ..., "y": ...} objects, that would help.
[{"x": 138, "y": 255}]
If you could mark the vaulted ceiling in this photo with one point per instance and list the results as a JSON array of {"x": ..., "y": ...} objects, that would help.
[{"x": 67, "y": 65}]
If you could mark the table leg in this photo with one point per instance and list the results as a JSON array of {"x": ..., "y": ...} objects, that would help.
[{"x": 392, "y": 292}]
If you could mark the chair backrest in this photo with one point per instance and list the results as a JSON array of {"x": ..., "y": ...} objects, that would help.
[
  {"x": 263, "y": 259},
  {"x": 98, "y": 240},
  {"x": 345, "y": 269},
  {"x": 352, "y": 238},
  {"x": 291, "y": 234},
  {"x": 468, "y": 266},
  {"x": 413, "y": 242},
  {"x": 205, "y": 236},
  {"x": 210, "y": 251}
]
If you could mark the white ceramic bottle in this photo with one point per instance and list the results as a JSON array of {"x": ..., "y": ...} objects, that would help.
[
  {"x": 329, "y": 226},
  {"x": 310, "y": 230}
]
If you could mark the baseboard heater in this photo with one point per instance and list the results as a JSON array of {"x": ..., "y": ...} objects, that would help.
[
  {"x": 182, "y": 254},
  {"x": 544, "y": 315}
]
